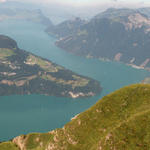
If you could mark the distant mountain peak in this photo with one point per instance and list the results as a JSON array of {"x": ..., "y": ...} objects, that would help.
[
  {"x": 130, "y": 18},
  {"x": 116, "y": 12}
]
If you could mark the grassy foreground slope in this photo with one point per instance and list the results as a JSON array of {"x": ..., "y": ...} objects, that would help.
[{"x": 120, "y": 121}]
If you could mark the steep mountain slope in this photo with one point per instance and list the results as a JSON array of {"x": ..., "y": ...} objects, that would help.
[
  {"x": 66, "y": 28},
  {"x": 145, "y": 10},
  {"x": 116, "y": 34},
  {"x": 120, "y": 120},
  {"x": 24, "y": 73}
]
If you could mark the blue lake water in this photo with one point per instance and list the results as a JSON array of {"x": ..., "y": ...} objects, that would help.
[{"x": 38, "y": 113}]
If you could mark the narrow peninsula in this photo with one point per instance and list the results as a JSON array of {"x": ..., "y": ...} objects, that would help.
[{"x": 22, "y": 72}]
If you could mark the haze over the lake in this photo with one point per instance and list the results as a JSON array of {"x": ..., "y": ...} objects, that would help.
[{"x": 81, "y": 8}]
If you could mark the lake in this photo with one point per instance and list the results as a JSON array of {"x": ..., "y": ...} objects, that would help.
[{"x": 38, "y": 113}]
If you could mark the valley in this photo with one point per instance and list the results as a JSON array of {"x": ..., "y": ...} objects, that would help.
[
  {"x": 46, "y": 113},
  {"x": 68, "y": 117}
]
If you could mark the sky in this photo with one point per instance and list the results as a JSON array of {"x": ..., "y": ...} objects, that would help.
[
  {"x": 82, "y": 8},
  {"x": 88, "y": 3},
  {"x": 98, "y": 2}
]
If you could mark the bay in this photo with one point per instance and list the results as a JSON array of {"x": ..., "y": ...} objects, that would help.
[{"x": 38, "y": 113}]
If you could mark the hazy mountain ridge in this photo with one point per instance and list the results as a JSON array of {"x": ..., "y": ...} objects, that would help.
[
  {"x": 66, "y": 28},
  {"x": 33, "y": 15},
  {"x": 145, "y": 11},
  {"x": 119, "y": 120},
  {"x": 116, "y": 34},
  {"x": 24, "y": 73}
]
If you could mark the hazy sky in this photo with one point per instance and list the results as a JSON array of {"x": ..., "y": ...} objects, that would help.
[
  {"x": 82, "y": 8},
  {"x": 88, "y": 3},
  {"x": 97, "y": 2}
]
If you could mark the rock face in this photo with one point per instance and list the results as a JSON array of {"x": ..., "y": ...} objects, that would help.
[
  {"x": 113, "y": 32},
  {"x": 120, "y": 121},
  {"x": 24, "y": 73}
]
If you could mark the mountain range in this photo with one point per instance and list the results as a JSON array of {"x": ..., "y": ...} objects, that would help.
[
  {"x": 116, "y": 34},
  {"x": 33, "y": 15}
]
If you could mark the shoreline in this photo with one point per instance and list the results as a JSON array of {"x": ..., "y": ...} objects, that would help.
[
  {"x": 106, "y": 59},
  {"x": 136, "y": 66}
]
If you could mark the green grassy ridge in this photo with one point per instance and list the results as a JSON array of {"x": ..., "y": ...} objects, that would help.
[
  {"x": 119, "y": 121},
  {"x": 133, "y": 134},
  {"x": 34, "y": 139},
  {"x": 8, "y": 146},
  {"x": 99, "y": 120}
]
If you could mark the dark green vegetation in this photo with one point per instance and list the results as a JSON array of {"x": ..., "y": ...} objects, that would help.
[
  {"x": 8, "y": 146},
  {"x": 121, "y": 120},
  {"x": 24, "y": 73},
  {"x": 116, "y": 34}
]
